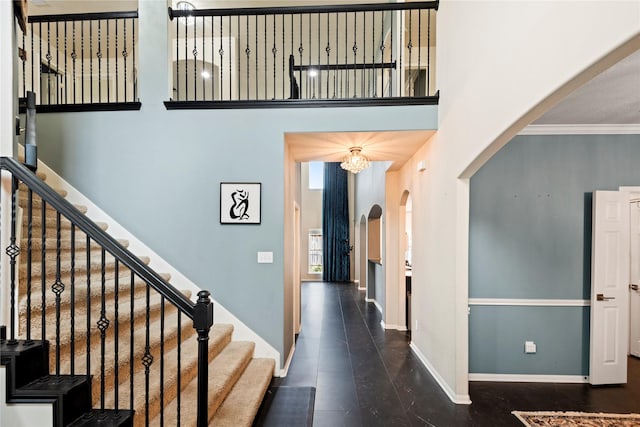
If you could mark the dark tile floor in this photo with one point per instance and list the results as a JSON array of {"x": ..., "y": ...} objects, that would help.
[{"x": 366, "y": 376}]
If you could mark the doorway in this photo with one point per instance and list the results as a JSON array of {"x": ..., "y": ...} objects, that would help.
[{"x": 404, "y": 261}]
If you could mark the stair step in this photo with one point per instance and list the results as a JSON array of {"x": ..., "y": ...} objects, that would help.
[
  {"x": 23, "y": 190},
  {"x": 242, "y": 404},
  {"x": 219, "y": 343},
  {"x": 36, "y": 210},
  {"x": 71, "y": 394},
  {"x": 104, "y": 418}
]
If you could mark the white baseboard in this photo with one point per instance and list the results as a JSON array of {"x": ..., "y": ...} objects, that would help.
[
  {"x": 459, "y": 399},
  {"x": 526, "y": 378},
  {"x": 285, "y": 370},
  {"x": 241, "y": 331},
  {"x": 374, "y": 303}
]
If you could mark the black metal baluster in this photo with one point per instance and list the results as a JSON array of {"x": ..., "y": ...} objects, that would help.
[
  {"x": 230, "y": 56},
  {"x": 57, "y": 288},
  {"x": 265, "y": 58},
  {"x": 133, "y": 59},
  {"x": 72, "y": 308},
  {"x": 309, "y": 83},
  {"x": 283, "y": 59},
  {"x": 65, "y": 66},
  {"x": 13, "y": 251},
  {"x": 300, "y": 51},
  {"x": 31, "y": 54},
  {"x": 186, "y": 62},
  {"x": 202, "y": 65},
  {"x": 176, "y": 81},
  {"x": 247, "y": 51},
  {"x": 382, "y": 47},
  {"x": 274, "y": 50},
  {"x": 363, "y": 85},
  {"x": 374, "y": 73},
  {"x": 48, "y": 57},
  {"x": 74, "y": 56},
  {"x": 346, "y": 53},
  {"x": 239, "y": 55},
  {"x": 108, "y": 69},
  {"x": 57, "y": 64},
  {"x": 43, "y": 265},
  {"x": 221, "y": 53},
  {"x": 337, "y": 74},
  {"x": 391, "y": 79},
  {"x": 116, "y": 337},
  {"x": 409, "y": 48},
  {"x": 213, "y": 82},
  {"x": 319, "y": 82},
  {"x": 257, "y": 58},
  {"x": 328, "y": 50},
  {"x": 419, "y": 42},
  {"x": 428, "y": 52},
  {"x": 195, "y": 61},
  {"x": 355, "y": 52},
  {"x": 147, "y": 359},
  {"x": 117, "y": 23},
  {"x": 162, "y": 359},
  {"x": 82, "y": 59},
  {"x": 102, "y": 324},
  {"x": 29, "y": 248},
  {"x": 39, "y": 59},
  {"x": 132, "y": 328},
  {"x": 88, "y": 307},
  {"x": 91, "y": 62},
  {"x": 179, "y": 367},
  {"x": 23, "y": 58}
]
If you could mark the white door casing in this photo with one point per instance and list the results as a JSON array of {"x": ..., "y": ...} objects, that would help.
[
  {"x": 609, "y": 289},
  {"x": 634, "y": 279}
]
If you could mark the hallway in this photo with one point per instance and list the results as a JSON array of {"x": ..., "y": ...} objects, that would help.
[{"x": 366, "y": 376}]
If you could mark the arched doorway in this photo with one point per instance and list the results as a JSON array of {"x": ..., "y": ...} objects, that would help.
[
  {"x": 404, "y": 261},
  {"x": 374, "y": 251}
]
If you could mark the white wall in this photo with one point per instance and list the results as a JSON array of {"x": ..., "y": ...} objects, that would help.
[
  {"x": 311, "y": 216},
  {"x": 511, "y": 62}
]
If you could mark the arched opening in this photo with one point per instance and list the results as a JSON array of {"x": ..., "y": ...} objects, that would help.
[
  {"x": 374, "y": 249},
  {"x": 362, "y": 262},
  {"x": 404, "y": 261}
]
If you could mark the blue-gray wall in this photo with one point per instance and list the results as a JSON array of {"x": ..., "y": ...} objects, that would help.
[
  {"x": 530, "y": 238},
  {"x": 158, "y": 173}
]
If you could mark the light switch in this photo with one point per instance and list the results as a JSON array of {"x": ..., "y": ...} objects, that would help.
[
  {"x": 265, "y": 257},
  {"x": 529, "y": 347}
]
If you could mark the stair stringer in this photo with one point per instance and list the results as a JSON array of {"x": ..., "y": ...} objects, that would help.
[
  {"x": 241, "y": 331},
  {"x": 22, "y": 414}
]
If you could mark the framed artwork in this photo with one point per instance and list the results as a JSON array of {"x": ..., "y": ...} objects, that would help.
[{"x": 240, "y": 202}]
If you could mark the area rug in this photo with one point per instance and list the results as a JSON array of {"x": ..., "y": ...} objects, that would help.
[{"x": 577, "y": 419}]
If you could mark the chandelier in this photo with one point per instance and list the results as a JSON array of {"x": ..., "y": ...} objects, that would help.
[{"x": 355, "y": 161}]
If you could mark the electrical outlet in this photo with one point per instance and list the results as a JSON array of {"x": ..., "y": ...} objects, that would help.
[{"x": 529, "y": 347}]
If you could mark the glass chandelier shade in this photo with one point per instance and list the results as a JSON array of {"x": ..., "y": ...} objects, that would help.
[{"x": 355, "y": 161}]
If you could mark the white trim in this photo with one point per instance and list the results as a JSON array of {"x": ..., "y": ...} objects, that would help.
[
  {"x": 526, "y": 378},
  {"x": 612, "y": 129},
  {"x": 390, "y": 326},
  {"x": 531, "y": 302},
  {"x": 455, "y": 398},
  {"x": 374, "y": 303},
  {"x": 284, "y": 371},
  {"x": 241, "y": 332},
  {"x": 361, "y": 289}
]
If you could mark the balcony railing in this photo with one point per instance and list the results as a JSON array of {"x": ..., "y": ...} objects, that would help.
[
  {"x": 342, "y": 55},
  {"x": 79, "y": 62}
]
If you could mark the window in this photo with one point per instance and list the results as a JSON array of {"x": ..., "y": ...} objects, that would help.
[
  {"x": 316, "y": 175},
  {"x": 315, "y": 251}
]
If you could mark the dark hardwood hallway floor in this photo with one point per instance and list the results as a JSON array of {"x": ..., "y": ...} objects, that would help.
[{"x": 366, "y": 376}]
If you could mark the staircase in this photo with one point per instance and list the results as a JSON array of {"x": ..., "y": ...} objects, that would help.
[{"x": 108, "y": 328}]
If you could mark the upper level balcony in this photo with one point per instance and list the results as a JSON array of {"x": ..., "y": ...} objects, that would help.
[{"x": 299, "y": 56}]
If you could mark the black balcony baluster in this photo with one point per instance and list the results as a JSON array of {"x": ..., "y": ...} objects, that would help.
[
  {"x": 66, "y": 73},
  {"x": 39, "y": 59},
  {"x": 108, "y": 68},
  {"x": 88, "y": 306},
  {"x": 23, "y": 59},
  {"x": 116, "y": 59},
  {"x": 161, "y": 361},
  {"x": 48, "y": 57},
  {"x": 428, "y": 52},
  {"x": 58, "y": 289},
  {"x": 195, "y": 61},
  {"x": 221, "y": 53},
  {"x": 131, "y": 337},
  {"x": 176, "y": 80},
  {"x": 13, "y": 251},
  {"x": 72, "y": 307},
  {"x": 283, "y": 55},
  {"x": 409, "y": 48},
  {"x": 230, "y": 58},
  {"x": 29, "y": 256},
  {"x": 43, "y": 264},
  {"x": 238, "y": 54},
  {"x": 274, "y": 51},
  {"x": 373, "y": 82},
  {"x": 116, "y": 290},
  {"x": 82, "y": 59},
  {"x": 204, "y": 85},
  {"x": 133, "y": 51},
  {"x": 32, "y": 54},
  {"x": 419, "y": 44},
  {"x": 186, "y": 60},
  {"x": 382, "y": 47}
]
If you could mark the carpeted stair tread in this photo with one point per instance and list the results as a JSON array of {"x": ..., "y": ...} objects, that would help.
[
  {"x": 242, "y": 403},
  {"x": 224, "y": 372},
  {"x": 219, "y": 344},
  {"x": 23, "y": 202},
  {"x": 79, "y": 244},
  {"x": 23, "y": 190},
  {"x": 80, "y": 293}
]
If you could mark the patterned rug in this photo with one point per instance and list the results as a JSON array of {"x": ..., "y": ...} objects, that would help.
[{"x": 577, "y": 419}]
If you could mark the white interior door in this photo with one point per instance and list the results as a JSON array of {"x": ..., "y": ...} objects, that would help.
[
  {"x": 609, "y": 289},
  {"x": 634, "y": 281}
]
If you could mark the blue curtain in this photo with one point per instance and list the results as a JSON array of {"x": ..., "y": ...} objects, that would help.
[{"x": 335, "y": 224}]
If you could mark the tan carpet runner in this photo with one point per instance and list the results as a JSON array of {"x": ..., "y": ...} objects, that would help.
[{"x": 237, "y": 380}]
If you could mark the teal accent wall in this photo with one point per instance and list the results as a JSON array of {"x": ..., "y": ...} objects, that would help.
[
  {"x": 530, "y": 238},
  {"x": 158, "y": 173}
]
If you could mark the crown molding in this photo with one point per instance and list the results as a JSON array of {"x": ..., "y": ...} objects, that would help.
[{"x": 612, "y": 129}]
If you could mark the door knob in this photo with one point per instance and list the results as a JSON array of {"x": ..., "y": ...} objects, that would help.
[
  {"x": 601, "y": 297},
  {"x": 633, "y": 287}
]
